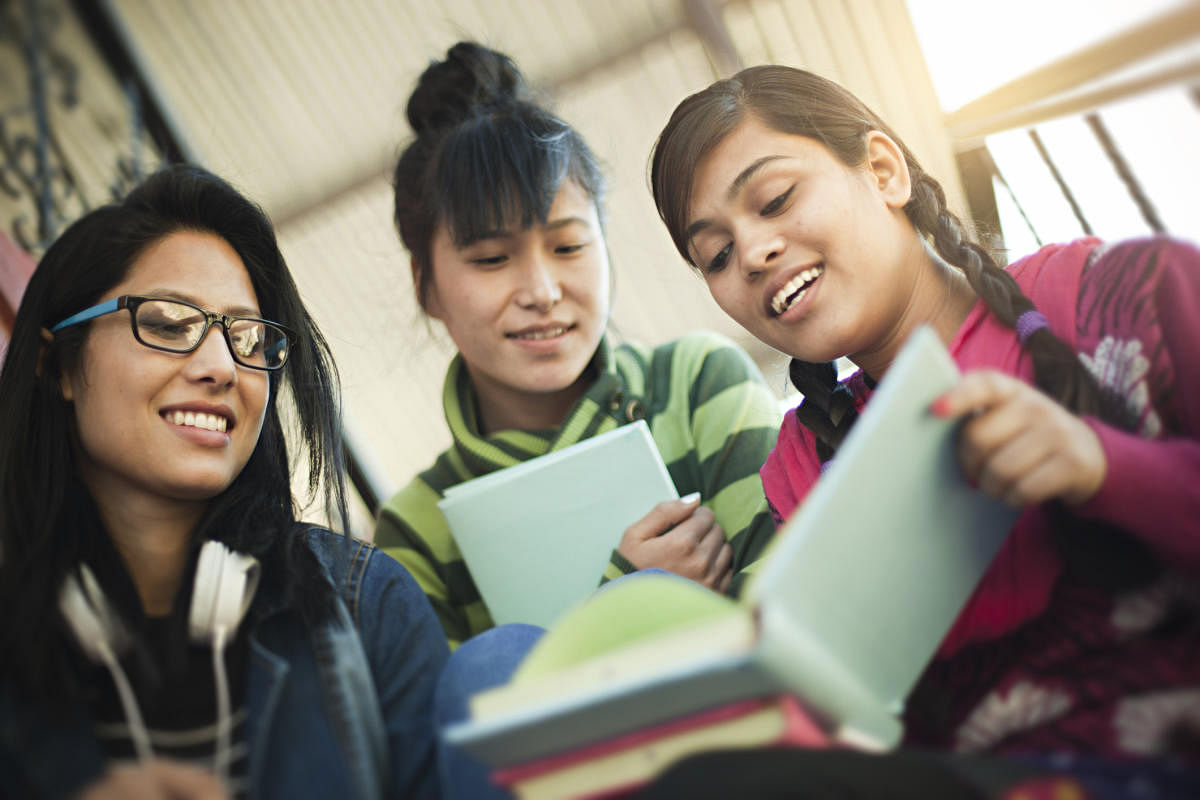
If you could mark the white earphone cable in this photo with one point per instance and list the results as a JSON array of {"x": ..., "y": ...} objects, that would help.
[
  {"x": 137, "y": 728},
  {"x": 224, "y": 717}
]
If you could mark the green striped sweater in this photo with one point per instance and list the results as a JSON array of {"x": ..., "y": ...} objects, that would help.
[{"x": 710, "y": 413}]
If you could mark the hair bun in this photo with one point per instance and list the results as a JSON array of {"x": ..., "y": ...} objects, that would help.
[{"x": 451, "y": 91}]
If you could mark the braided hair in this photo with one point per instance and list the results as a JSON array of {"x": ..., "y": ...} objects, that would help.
[{"x": 798, "y": 102}]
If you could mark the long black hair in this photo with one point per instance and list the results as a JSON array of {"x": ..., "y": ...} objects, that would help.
[
  {"x": 486, "y": 156},
  {"x": 794, "y": 101},
  {"x": 48, "y": 520}
]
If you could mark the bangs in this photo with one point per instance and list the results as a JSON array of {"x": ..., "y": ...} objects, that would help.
[{"x": 500, "y": 173}]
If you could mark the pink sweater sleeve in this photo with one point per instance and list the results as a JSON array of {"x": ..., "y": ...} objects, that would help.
[
  {"x": 1152, "y": 490},
  {"x": 1152, "y": 485}
]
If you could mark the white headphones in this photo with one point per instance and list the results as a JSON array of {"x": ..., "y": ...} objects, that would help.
[
  {"x": 224, "y": 586},
  {"x": 225, "y": 583}
]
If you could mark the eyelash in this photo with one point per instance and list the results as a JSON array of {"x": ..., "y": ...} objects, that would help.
[
  {"x": 497, "y": 260},
  {"x": 773, "y": 207},
  {"x": 720, "y": 259},
  {"x": 777, "y": 203}
]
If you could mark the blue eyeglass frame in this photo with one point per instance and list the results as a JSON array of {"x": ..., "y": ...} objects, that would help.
[{"x": 132, "y": 301}]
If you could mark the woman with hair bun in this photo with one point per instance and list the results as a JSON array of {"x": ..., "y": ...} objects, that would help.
[
  {"x": 818, "y": 231},
  {"x": 499, "y": 203}
]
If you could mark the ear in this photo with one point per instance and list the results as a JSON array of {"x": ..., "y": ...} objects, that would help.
[
  {"x": 430, "y": 303},
  {"x": 66, "y": 385},
  {"x": 885, "y": 160}
]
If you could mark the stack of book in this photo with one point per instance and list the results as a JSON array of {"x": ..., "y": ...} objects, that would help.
[
  {"x": 839, "y": 620},
  {"x": 616, "y": 767}
]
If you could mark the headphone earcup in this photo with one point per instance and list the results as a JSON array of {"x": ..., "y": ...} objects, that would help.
[
  {"x": 224, "y": 586},
  {"x": 90, "y": 617}
]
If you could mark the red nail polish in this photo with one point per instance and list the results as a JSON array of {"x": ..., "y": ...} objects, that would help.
[{"x": 940, "y": 407}]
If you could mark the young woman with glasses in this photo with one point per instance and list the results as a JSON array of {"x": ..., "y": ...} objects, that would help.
[{"x": 170, "y": 628}]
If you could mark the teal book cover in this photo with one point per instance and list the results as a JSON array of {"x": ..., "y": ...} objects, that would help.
[{"x": 537, "y": 536}]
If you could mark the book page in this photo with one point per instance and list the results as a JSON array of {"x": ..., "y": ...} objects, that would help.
[{"x": 731, "y": 633}]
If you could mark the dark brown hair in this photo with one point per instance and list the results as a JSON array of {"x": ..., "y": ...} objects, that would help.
[
  {"x": 485, "y": 156},
  {"x": 798, "y": 102}
]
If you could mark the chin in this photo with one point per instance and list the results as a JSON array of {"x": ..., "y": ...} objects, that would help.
[
  {"x": 200, "y": 489},
  {"x": 557, "y": 383},
  {"x": 547, "y": 378}
]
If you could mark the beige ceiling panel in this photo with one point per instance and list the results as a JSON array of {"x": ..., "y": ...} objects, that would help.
[
  {"x": 748, "y": 38},
  {"x": 783, "y": 46},
  {"x": 355, "y": 278}
]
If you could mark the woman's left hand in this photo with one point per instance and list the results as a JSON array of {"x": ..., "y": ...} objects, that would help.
[{"x": 1021, "y": 446}]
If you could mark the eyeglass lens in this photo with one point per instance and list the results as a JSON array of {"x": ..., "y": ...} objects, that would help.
[{"x": 178, "y": 327}]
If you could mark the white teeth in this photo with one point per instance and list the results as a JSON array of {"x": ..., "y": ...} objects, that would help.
[
  {"x": 783, "y": 299},
  {"x": 547, "y": 333},
  {"x": 192, "y": 419}
]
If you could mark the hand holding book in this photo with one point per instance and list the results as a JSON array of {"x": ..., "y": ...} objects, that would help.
[
  {"x": 683, "y": 537},
  {"x": 536, "y": 536}
]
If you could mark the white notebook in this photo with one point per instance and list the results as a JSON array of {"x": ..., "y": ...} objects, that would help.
[
  {"x": 537, "y": 536},
  {"x": 848, "y": 606}
]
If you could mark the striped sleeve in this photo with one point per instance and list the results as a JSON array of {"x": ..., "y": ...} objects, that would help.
[
  {"x": 412, "y": 530},
  {"x": 715, "y": 430}
]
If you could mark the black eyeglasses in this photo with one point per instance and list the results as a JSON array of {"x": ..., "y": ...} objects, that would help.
[{"x": 177, "y": 326}]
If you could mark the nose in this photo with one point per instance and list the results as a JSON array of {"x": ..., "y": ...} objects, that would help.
[
  {"x": 764, "y": 246},
  {"x": 212, "y": 361},
  {"x": 540, "y": 288}
]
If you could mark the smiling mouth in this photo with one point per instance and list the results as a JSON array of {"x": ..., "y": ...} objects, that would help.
[
  {"x": 794, "y": 290},
  {"x": 193, "y": 419},
  {"x": 536, "y": 334}
]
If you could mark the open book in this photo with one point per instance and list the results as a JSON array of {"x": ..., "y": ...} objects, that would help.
[
  {"x": 536, "y": 536},
  {"x": 845, "y": 611}
]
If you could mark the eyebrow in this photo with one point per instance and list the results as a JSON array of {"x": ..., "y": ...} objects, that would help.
[
  {"x": 563, "y": 222},
  {"x": 553, "y": 225},
  {"x": 230, "y": 311},
  {"x": 735, "y": 187}
]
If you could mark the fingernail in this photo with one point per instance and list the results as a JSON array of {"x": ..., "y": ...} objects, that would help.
[
  {"x": 694, "y": 497},
  {"x": 940, "y": 407}
]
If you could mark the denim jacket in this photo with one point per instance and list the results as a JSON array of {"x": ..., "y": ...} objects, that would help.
[{"x": 343, "y": 710}]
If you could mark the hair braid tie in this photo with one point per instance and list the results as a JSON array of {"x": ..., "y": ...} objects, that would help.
[
  {"x": 1030, "y": 323},
  {"x": 829, "y": 409}
]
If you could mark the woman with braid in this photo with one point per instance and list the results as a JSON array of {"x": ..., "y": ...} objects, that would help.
[{"x": 817, "y": 230}]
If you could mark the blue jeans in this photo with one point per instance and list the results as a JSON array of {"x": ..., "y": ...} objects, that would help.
[{"x": 482, "y": 662}]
